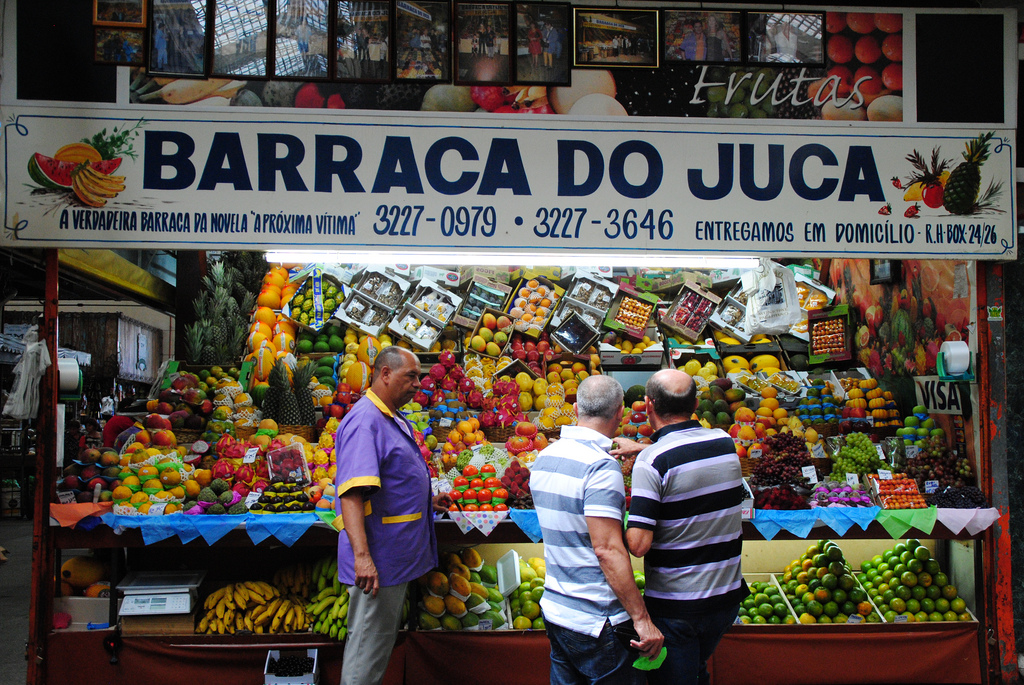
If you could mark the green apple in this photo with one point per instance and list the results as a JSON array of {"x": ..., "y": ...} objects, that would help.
[
  {"x": 937, "y": 432},
  {"x": 920, "y": 409},
  {"x": 928, "y": 423},
  {"x": 911, "y": 422}
]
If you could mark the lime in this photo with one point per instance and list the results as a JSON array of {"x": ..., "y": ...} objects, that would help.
[
  {"x": 760, "y": 620},
  {"x": 931, "y": 566},
  {"x": 780, "y": 610},
  {"x": 530, "y": 609},
  {"x": 925, "y": 579},
  {"x": 928, "y": 605},
  {"x": 899, "y": 549},
  {"x": 538, "y": 623},
  {"x": 958, "y": 605},
  {"x": 940, "y": 579},
  {"x": 889, "y": 616},
  {"x": 919, "y": 592},
  {"x": 921, "y": 617},
  {"x": 831, "y": 609},
  {"x": 922, "y": 554},
  {"x": 521, "y": 623},
  {"x": 898, "y": 605},
  {"x": 761, "y": 598},
  {"x": 934, "y": 591},
  {"x": 950, "y": 616},
  {"x": 814, "y": 608},
  {"x": 765, "y": 610},
  {"x": 910, "y": 617},
  {"x": 536, "y": 593},
  {"x": 749, "y": 603},
  {"x": 848, "y": 607},
  {"x": 874, "y": 618},
  {"x": 745, "y": 619},
  {"x": 934, "y": 616},
  {"x": 900, "y": 569},
  {"x": 942, "y": 604},
  {"x": 909, "y": 579},
  {"x": 903, "y": 592},
  {"x": 774, "y": 620},
  {"x": 913, "y": 606},
  {"x": 915, "y": 566}
]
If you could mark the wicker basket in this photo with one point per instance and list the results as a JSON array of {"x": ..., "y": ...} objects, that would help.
[
  {"x": 499, "y": 434},
  {"x": 440, "y": 432},
  {"x": 828, "y": 430},
  {"x": 306, "y": 432},
  {"x": 552, "y": 433},
  {"x": 245, "y": 433},
  {"x": 185, "y": 436},
  {"x": 747, "y": 465}
]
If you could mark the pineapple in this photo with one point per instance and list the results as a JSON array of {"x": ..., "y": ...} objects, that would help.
[
  {"x": 196, "y": 337},
  {"x": 964, "y": 182},
  {"x": 303, "y": 396},
  {"x": 279, "y": 388}
]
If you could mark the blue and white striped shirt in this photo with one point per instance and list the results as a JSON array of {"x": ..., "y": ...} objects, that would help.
[{"x": 572, "y": 479}]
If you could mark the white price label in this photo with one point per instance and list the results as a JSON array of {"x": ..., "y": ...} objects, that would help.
[
  {"x": 911, "y": 451},
  {"x": 818, "y": 452},
  {"x": 901, "y": 619},
  {"x": 251, "y": 499},
  {"x": 931, "y": 486},
  {"x": 444, "y": 423},
  {"x": 250, "y": 455},
  {"x": 855, "y": 618},
  {"x": 810, "y": 473},
  {"x": 157, "y": 509},
  {"x": 485, "y": 624},
  {"x": 65, "y": 497},
  {"x": 853, "y": 480},
  {"x": 755, "y": 453},
  {"x": 881, "y": 454},
  {"x": 884, "y": 475}
]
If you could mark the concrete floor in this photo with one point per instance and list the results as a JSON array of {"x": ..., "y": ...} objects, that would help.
[{"x": 16, "y": 536}]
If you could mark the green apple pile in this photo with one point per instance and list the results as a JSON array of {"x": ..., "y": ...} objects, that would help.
[
  {"x": 916, "y": 429},
  {"x": 821, "y": 587},
  {"x": 906, "y": 581},
  {"x": 765, "y": 605},
  {"x": 420, "y": 419}
]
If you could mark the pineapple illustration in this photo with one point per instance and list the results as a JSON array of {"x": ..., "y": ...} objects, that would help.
[{"x": 964, "y": 184}]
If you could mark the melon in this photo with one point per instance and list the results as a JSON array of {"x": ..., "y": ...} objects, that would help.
[
  {"x": 284, "y": 342},
  {"x": 368, "y": 351},
  {"x": 358, "y": 377},
  {"x": 49, "y": 172},
  {"x": 82, "y": 571},
  {"x": 264, "y": 360}
]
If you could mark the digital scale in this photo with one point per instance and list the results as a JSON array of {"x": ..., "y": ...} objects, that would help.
[{"x": 153, "y": 593}]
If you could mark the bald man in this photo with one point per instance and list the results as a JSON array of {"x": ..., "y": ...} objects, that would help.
[{"x": 684, "y": 519}]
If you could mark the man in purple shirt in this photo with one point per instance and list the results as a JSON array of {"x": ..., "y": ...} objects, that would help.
[{"x": 385, "y": 504}]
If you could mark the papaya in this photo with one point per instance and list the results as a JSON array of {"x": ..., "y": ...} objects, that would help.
[
  {"x": 459, "y": 586},
  {"x": 434, "y": 605},
  {"x": 82, "y": 571},
  {"x": 428, "y": 622},
  {"x": 472, "y": 559},
  {"x": 455, "y": 606},
  {"x": 437, "y": 584}
]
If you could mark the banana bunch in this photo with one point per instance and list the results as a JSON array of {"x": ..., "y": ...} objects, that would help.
[
  {"x": 94, "y": 187},
  {"x": 254, "y": 606},
  {"x": 295, "y": 579},
  {"x": 328, "y": 607}
]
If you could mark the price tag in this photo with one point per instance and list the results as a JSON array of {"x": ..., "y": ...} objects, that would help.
[
  {"x": 884, "y": 475},
  {"x": 250, "y": 455},
  {"x": 810, "y": 473},
  {"x": 485, "y": 624},
  {"x": 911, "y": 451},
  {"x": 818, "y": 452},
  {"x": 251, "y": 499},
  {"x": 899, "y": 619},
  {"x": 444, "y": 423},
  {"x": 755, "y": 454},
  {"x": 853, "y": 480},
  {"x": 855, "y": 618},
  {"x": 65, "y": 497},
  {"x": 156, "y": 509},
  {"x": 931, "y": 486},
  {"x": 881, "y": 454}
]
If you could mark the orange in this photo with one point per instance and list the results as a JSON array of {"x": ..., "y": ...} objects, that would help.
[
  {"x": 275, "y": 278},
  {"x": 147, "y": 472},
  {"x": 780, "y": 414},
  {"x": 152, "y": 484},
  {"x": 122, "y": 492},
  {"x": 170, "y": 477},
  {"x": 770, "y": 403},
  {"x": 192, "y": 488},
  {"x": 769, "y": 393},
  {"x": 131, "y": 482},
  {"x": 144, "y": 507},
  {"x": 139, "y": 497}
]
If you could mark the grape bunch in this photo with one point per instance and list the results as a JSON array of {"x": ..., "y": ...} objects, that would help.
[
  {"x": 858, "y": 456},
  {"x": 967, "y": 497},
  {"x": 290, "y": 666},
  {"x": 783, "y": 456},
  {"x": 935, "y": 462}
]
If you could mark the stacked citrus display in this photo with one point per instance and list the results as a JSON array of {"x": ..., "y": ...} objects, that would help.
[
  {"x": 764, "y": 605},
  {"x": 907, "y": 581},
  {"x": 821, "y": 587},
  {"x": 525, "y": 601}
]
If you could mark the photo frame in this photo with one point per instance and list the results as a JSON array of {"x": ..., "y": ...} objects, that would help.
[
  {"x": 610, "y": 37},
  {"x": 786, "y": 37},
  {"x": 177, "y": 39},
  {"x": 240, "y": 38},
  {"x": 119, "y": 46},
  {"x": 302, "y": 44},
  {"x": 704, "y": 36},
  {"x": 362, "y": 41},
  {"x": 422, "y": 41},
  {"x": 552, "y": 66},
  {"x": 886, "y": 271},
  {"x": 483, "y": 43},
  {"x": 124, "y": 13}
]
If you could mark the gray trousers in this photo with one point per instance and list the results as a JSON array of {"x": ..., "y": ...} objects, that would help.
[{"x": 373, "y": 625}]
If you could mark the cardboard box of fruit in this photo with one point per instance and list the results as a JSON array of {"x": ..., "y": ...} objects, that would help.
[
  {"x": 631, "y": 311},
  {"x": 316, "y": 300},
  {"x": 618, "y": 350},
  {"x": 489, "y": 337}
]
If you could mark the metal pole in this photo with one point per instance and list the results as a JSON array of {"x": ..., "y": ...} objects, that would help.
[
  {"x": 997, "y": 579},
  {"x": 40, "y": 615}
]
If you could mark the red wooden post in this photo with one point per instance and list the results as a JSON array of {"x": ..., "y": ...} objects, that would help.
[{"x": 40, "y": 615}]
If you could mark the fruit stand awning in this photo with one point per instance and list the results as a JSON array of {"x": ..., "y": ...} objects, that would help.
[{"x": 600, "y": 21}]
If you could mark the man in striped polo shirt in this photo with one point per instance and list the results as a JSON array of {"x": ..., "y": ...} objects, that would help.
[
  {"x": 589, "y": 590},
  {"x": 684, "y": 519}
]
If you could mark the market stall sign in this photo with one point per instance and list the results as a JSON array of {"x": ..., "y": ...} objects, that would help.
[
  {"x": 938, "y": 396},
  {"x": 428, "y": 183}
]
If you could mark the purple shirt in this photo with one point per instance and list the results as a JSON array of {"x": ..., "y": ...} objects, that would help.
[{"x": 377, "y": 453}]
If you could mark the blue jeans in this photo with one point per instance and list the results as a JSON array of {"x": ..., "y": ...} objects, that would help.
[
  {"x": 690, "y": 641},
  {"x": 579, "y": 659}
]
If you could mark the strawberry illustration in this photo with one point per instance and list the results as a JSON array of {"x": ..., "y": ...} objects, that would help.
[
  {"x": 896, "y": 183},
  {"x": 913, "y": 211},
  {"x": 886, "y": 210}
]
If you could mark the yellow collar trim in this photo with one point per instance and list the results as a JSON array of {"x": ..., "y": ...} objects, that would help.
[{"x": 379, "y": 403}]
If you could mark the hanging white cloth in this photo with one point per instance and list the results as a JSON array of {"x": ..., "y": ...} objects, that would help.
[{"x": 23, "y": 402}]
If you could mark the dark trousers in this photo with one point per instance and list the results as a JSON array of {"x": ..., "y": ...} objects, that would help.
[{"x": 690, "y": 641}]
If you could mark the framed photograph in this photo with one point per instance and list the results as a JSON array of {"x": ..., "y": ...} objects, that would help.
[
  {"x": 127, "y": 13},
  {"x": 177, "y": 39},
  {"x": 240, "y": 39},
  {"x": 792, "y": 37},
  {"x": 542, "y": 44},
  {"x": 301, "y": 44},
  {"x": 362, "y": 43},
  {"x": 483, "y": 43},
  {"x": 702, "y": 36},
  {"x": 423, "y": 41},
  {"x": 609, "y": 37},
  {"x": 885, "y": 271},
  {"x": 119, "y": 46}
]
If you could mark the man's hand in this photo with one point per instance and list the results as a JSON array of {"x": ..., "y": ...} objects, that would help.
[
  {"x": 624, "y": 447},
  {"x": 651, "y": 638},
  {"x": 441, "y": 502},
  {"x": 367, "y": 579}
]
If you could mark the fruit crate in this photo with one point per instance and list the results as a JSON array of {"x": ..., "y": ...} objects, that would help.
[
  {"x": 692, "y": 309},
  {"x": 315, "y": 284},
  {"x": 589, "y": 297},
  {"x": 480, "y": 294},
  {"x": 502, "y": 346},
  {"x": 731, "y": 318},
  {"x": 312, "y": 677},
  {"x": 537, "y": 298},
  {"x": 652, "y": 356},
  {"x": 831, "y": 337},
  {"x": 633, "y": 299},
  {"x": 424, "y": 316}
]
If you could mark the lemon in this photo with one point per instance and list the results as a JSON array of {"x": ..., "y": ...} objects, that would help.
[{"x": 692, "y": 367}]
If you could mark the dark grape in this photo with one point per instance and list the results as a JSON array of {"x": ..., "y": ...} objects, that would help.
[{"x": 967, "y": 497}]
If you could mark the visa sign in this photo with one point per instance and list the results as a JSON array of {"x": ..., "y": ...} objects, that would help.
[{"x": 940, "y": 397}]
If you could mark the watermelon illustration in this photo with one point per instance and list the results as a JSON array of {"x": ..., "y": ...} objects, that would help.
[{"x": 55, "y": 174}]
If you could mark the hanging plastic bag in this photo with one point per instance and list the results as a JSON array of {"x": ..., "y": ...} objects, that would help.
[
  {"x": 773, "y": 304},
  {"x": 23, "y": 402}
]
